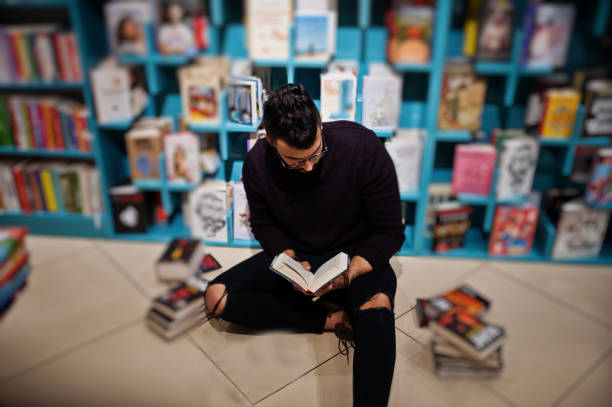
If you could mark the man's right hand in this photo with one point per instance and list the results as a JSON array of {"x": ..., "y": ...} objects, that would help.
[{"x": 305, "y": 264}]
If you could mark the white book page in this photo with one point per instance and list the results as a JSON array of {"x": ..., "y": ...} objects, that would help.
[
  {"x": 329, "y": 270},
  {"x": 293, "y": 270}
]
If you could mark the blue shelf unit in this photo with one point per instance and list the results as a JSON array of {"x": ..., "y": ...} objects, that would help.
[{"x": 361, "y": 36}]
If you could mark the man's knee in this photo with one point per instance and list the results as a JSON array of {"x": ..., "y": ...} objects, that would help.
[
  {"x": 214, "y": 293},
  {"x": 378, "y": 300}
]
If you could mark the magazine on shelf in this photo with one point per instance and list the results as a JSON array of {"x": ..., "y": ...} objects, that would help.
[
  {"x": 208, "y": 206},
  {"x": 406, "y": 151},
  {"x": 495, "y": 31},
  {"x": 548, "y": 38},
  {"x": 126, "y": 25},
  {"x": 314, "y": 34},
  {"x": 242, "y": 215},
  {"x": 382, "y": 101},
  {"x": 182, "y": 27},
  {"x": 182, "y": 158},
  {"x": 410, "y": 33},
  {"x": 267, "y": 28},
  {"x": 514, "y": 228},
  {"x": 338, "y": 96},
  {"x": 517, "y": 166}
]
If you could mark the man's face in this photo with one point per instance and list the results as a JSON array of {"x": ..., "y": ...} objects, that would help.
[{"x": 293, "y": 156}]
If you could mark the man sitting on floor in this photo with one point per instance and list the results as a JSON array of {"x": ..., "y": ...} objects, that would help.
[{"x": 316, "y": 189}]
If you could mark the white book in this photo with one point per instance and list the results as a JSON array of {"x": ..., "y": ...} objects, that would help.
[
  {"x": 580, "y": 232},
  {"x": 517, "y": 165},
  {"x": 338, "y": 95},
  {"x": 117, "y": 16},
  {"x": 242, "y": 215},
  {"x": 111, "y": 92},
  {"x": 95, "y": 190},
  {"x": 314, "y": 34},
  {"x": 82, "y": 171},
  {"x": 43, "y": 48},
  {"x": 308, "y": 281},
  {"x": 268, "y": 23},
  {"x": 182, "y": 152},
  {"x": 382, "y": 100},
  {"x": 343, "y": 66},
  {"x": 406, "y": 150},
  {"x": 208, "y": 211}
]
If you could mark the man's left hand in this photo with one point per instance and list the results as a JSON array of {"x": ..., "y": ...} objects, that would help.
[{"x": 338, "y": 282}]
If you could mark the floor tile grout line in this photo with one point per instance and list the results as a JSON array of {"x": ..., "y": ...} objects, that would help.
[
  {"x": 74, "y": 348},
  {"x": 54, "y": 260},
  {"x": 124, "y": 273},
  {"x": 410, "y": 336},
  {"x": 496, "y": 394},
  {"x": 582, "y": 377},
  {"x": 297, "y": 378},
  {"x": 404, "y": 313},
  {"x": 550, "y": 297},
  {"x": 194, "y": 343}
]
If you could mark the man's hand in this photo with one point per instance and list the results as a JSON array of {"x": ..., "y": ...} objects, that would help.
[
  {"x": 306, "y": 266},
  {"x": 338, "y": 282}
]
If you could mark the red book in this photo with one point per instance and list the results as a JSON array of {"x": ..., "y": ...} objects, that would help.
[
  {"x": 473, "y": 169},
  {"x": 73, "y": 54},
  {"x": 15, "y": 268},
  {"x": 58, "y": 56},
  {"x": 514, "y": 229},
  {"x": 56, "y": 123},
  {"x": 21, "y": 189},
  {"x": 41, "y": 125}
]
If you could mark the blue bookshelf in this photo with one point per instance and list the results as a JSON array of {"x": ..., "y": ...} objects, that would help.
[{"x": 361, "y": 37}]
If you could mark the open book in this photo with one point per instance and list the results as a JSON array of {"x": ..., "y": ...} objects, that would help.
[{"x": 310, "y": 282}]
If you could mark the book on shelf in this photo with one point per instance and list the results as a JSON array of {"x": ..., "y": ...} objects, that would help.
[
  {"x": 584, "y": 157},
  {"x": 583, "y": 76},
  {"x": 180, "y": 260},
  {"x": 514, "y": 228},
  {"x": 178, "y": 309},
  {"x": 209, "y": 263},
  {"x": 50, "y": 186},
  {"x": 580, "y": 231},
  {"x": 12, "y": 240},
  {"x": 164, "y": 124},
  {"x": 119, "y": 91},
  {"x": 534, "y": 108},
  {"x": 244, "y": 100},
  {"x": 208, "y": 207},
  {"x": 381, "y": 102},
  {"x": 468, "y": 332},
  {"x": 267, "y": 29},
  {"x": 126, "y": 26},
  {"x": 547, "y": 34},
  {"x": 599, "y": 188},
  {"x": 554, "y": 198},
  {"x": 517, "y": 164},
  {"x": 182, "y": 27},
  {"x": 143, "y": 147},
  {"x": 462, "y": 97},
  {"x": 452, "y": 363},
  {"x": 210, "y": 160},
  {"x": 410, "y": 33},
  {"x": 338, "y": 96},
  {"x": 495, "y": 31},
  {"x": 242, "y": 214},
  {"x": 473, "y": 168},
  {"x": 560, "y": 110},
  {"x": 49, "y": 123},
  {"x": 200, "y": 86},
  {"x": 38, "y": 53},
  {"x": 437, "y": 192},
  {"x": 471, "y": 28},
  {"x": 406, "y": 150},
  {"x": 314, "y": 34},
  {"x": 131, "y": 212},
  {"x": 463, "y": 296},
  {"x": 598, "y": 106},
  {"x": 452, "y": 222},
  {"x": 319, "y": 5},
  {"x": 310, "y": 281},
  {"x": 241, "y": 67},
  {"x": 182, "y": 152},
  {"x": 343, "y": 66}
]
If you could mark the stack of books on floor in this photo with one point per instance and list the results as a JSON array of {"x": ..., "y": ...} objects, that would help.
[
  {"x": 14, "y": 264},
  {"x": 182, "y": 306},
  {"x": 463, "y": 345}
]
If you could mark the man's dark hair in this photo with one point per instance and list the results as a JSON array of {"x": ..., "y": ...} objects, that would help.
[{"x": 291, "y": 115}]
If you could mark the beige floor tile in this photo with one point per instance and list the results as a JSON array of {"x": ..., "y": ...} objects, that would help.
[
  {"x": 594, "y": 391},
  {"x": 65, "y": 303},
  {"x": 130, "y": 367},
  {"x": 423, "y": 276},
  {"x": 548, "y": 346},
  {"x": 567, "y": 283},
  {"x": 262, "y": 362},
  {"x": 414, "y": 384},
  {"x": 138, "y": 260},
  {"x": 45, "y": 249}
]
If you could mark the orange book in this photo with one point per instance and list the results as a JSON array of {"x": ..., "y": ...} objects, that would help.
[
  {"x": 17, "y": 46},
  {"x": 560, "y": 109},
  {"x": 48, "y": 123},
  {"x": 57, "y": 128}
]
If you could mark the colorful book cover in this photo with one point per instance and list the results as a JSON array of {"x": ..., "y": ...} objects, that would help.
[
  {"x": 473, "y": 169},
  {"x": 381, "y": 102},
  {"x": 57, "y": 187},
  {"x": 452, "y": 223},
  {"x": 550, "y": 38},
  {"x": 338, "y": 96},
  {"x": 495, "y": 36},
  {"x": 314, "y": 34},
  {"x": 10, "y": 238},
  {"x": 410, "y": 34},
  {"x": 182, "y": 157},
  {"x": 599, "y": 189},
  {"x": 143, "y": 146},
  {"x": 48, "y": 190},
  {"x": 130, "y": 210},
  {"x": 513, "y": 230},
  {"x": 182, "y": 27},
  {"x": 126, "y": 26},
  {"x": 200, "y": 92},
  {"x": 20, "y": 185},
  {"x": 463, "y": 296},
  {"x": 561, "y": 107}
]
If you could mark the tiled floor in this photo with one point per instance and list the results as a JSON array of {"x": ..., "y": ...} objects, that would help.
[{"x": 76, "y": 335}]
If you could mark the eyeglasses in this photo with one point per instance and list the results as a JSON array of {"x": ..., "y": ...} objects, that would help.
[{"x": 313, "y": 159}]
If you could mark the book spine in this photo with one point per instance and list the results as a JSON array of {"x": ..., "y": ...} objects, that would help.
[
  {"x": 21, "y": 190},
  {"x": 74, "y": 57},
  {"x": 57, "y": 190},
  {"x": 75, "y": 193},
  {"x": 73, "y": 130},
  {"x": 39, "y": 59},
  {"x": 6, "y": 133},
  {"x": 48, "y": 124},
  {"x": 67, "y": 197},
  {"x": 40, "y": 119},
  {"x": 65, "y": 129},
  {"x": 36, "y": 197},
  {"x": 29, "y": 48},
  {"x": 15, "y": 124},
  {"x": 27, "y": 124},
  {"x": 56, "y": 123},
  {"x": 40, "y": 190},
  {"x": 47, "y": 187},
  {"x": 16, "y": 56},
  {"x": 34, "y": 124},
  {"x": 65, "y": 56},
  {"x": 58, "y": 57}
]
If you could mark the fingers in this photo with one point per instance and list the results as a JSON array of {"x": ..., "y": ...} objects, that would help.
[{"x": 306, "y": 265}]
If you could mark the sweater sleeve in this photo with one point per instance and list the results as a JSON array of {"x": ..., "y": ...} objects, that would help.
[
  {"x": 380, "y": 194},
  {"x": 271, "y": 237}
]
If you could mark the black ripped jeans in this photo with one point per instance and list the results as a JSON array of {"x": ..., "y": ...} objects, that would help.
[{"x": 259, "y": 298}]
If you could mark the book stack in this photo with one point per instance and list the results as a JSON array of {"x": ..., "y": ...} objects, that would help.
[
  {"x": 464, "y": 345},
  {"x": 49, "y": 123},
  {"x": 452, "y": 222},
  {"x": 38, "y": 53},
  {"x": 14, "y": 264},
  {"x": 182, "y": 306},
  {"x": 50, "y": 186}
]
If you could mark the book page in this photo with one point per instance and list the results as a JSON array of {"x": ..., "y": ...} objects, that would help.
[
  {"x": 293, "y": 270},
  {"x": 329, "y": 270}
]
